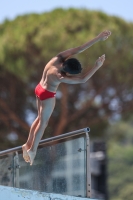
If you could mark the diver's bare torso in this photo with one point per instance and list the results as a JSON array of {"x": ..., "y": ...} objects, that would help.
[{"x": 52, "y": 74}]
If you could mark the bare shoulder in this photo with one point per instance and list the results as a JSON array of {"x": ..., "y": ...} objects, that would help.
[{"x": 56, "y": 60}]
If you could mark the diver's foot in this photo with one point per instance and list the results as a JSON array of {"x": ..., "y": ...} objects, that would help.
[
  {"x": 32, "y": 155},
  {"x": 25, "y": 154}
]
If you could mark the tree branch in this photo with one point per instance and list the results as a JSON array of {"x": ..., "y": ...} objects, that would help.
[
  {"x": 11, "y": 115},
  {"x": 64, "y": 111}
]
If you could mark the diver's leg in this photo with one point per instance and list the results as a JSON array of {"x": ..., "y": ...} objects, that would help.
[
  {"x": 46, "y": 109},
  {"x": 29, "y": 142}
]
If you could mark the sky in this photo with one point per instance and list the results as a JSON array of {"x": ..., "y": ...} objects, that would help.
[{"x": 11, "y": 9}]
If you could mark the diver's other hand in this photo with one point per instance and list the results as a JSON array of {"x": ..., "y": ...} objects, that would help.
[{"x": 99, "y": 62}]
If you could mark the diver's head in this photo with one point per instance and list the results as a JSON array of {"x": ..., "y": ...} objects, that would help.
[{"x": 72, "y": 66}]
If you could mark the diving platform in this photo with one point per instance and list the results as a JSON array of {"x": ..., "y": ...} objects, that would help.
[{"x": 61, "y": 170}]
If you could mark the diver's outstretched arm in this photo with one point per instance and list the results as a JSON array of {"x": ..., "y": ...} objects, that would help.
[
  {"x": 101, "y": 37},
  {"x": 99, "y": 62}
]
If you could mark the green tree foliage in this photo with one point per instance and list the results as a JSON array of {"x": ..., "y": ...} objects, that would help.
[
  {"x": 26, "y": 45},
  {"x": 120, "y": 152}
]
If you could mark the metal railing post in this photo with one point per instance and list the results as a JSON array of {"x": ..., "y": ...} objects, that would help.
[
  {"x": 16, "y": 169},
  {"x": 88, "y": 170}
]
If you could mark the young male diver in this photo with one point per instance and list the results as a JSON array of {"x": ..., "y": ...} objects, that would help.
[{"x": 60, "y": 69}]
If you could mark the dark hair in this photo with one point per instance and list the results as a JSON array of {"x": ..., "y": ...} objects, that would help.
[{"x": 72, "y": 66}]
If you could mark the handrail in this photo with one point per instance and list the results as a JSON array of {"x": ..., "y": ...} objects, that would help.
[{"x": 48, "y": 140}]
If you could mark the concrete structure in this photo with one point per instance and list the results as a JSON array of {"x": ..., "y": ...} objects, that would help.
[{"x": 21, "y": 194}]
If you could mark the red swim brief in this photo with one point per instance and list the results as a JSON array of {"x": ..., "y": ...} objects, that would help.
[{"x": 42, "y": 93}]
